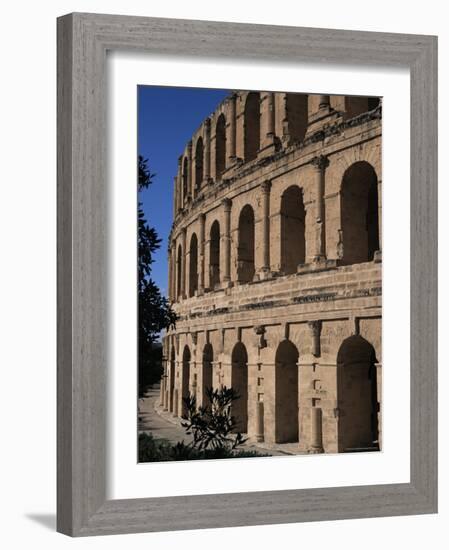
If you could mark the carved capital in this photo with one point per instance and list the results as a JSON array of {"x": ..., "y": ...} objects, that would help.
[
  {"x": 227, "y": 203},
  {"x": 265, "y": 186},
  {"x": 260, "y": 332},
  {"x": 194, "y": 338},
  {"x": 321, "y": 162}
]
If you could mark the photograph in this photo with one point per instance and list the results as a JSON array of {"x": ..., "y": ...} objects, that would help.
[{"x": 259, "y": 273}]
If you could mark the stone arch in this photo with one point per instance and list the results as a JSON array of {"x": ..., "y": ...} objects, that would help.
[
  {"x": 286, "y": 393},
  {"x": 357, "y": 105},
  {"x": 171, "y": 375},
  {"x": 293, "y": 237},
  {"x": 193, "y": 265},
  {"x": 359, "y": 213},
  {"x": 179, "y": 272},
  {"x": 185, "y": 389},
  {"x": 214, "y": 254},
  {"x": 246, "y": 245},
  {"x": 220, "y": 146},
  {"x": 297, "y": 107},
  {"x": 239, "y": 382},
  {"x": 185, "y": 180},
  {"x": 357, "y": 394},
  {"x": 252, "y": 126},
  {"x": 199, "y": 163},
  {"x": 208, "y": 358}
]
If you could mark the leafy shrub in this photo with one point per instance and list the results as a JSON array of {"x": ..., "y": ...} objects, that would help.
[{"x": 213, "y": 426}]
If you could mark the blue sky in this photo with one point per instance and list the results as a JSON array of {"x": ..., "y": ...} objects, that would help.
[{"x": 167, "y": 118}]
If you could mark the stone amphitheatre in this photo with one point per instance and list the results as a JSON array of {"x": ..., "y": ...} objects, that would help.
[{"x": 275, "y": 269}]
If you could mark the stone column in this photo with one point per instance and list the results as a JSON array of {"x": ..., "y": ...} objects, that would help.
[
  {"x": 265, "y": 191},
  {"x": 259, "y": 422},
  {"x": 316, "y": 435},
  {"x": 207, "y": 150},
  {"x": 170, "y": 273},
  {"x": 174, "y": 278},
  {"x": 162, "y": 391},
  {"x": 320, "y": 163},
  {"x": 190, "y": 171},
  {"x": 202, "y": 218},
  {"x": 227, "y": 203},
  {"x": 315, "y": 329},
  {"x": 179, "y": 186},
  {"x": 271, "y": 115},
  {"x": 183, "y": 261},
  {"x": 232, "y": 127}
]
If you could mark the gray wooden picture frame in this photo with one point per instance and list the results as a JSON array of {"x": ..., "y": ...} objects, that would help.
[{"x": 83, "y": 40}]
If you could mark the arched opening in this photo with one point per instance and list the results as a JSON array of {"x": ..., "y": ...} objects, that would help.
[
  {"x": 297, "y": 108},
  {"x": 193, "y": 265},
  {"x": 357, "y": 394},
  {"x": 293, "y": 239},
  {"x": 286, "y": 393},
  {"x": 199, "y": 163},
  {"x": 359, "y": 213},
  {"x": 208, "y": 357},
  {"x": 172, "y": 378},
  {"x": 239, "y": 382},
  {"x": 220, "y": 146},
  {"x": 214, "y": 256},
  {"x": 179, "y": 273},
  {"x": 357, "y": 105},
  {"x": 245, "y": 249},
  {"x": 252, "y": 126},
  {"x": 185, "y": 388},
  {"x": 185, "y": 180}
]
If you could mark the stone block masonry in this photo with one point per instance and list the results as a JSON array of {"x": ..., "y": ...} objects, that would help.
[{"x": 275, "y": 269}]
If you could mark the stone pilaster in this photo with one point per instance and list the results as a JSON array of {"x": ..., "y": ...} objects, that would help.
[
  {"x": 319, "y": 163},
  {"x": 190, "y": 171},
  {"x": 232, "y": 127},
  {"x": 207, "y": 150},
  {"x": 202, "y": 219},
  {"x": 184, "y": 256},
  {"x": 315, "y": 331},
  {"x": 265, "y": 190},
  {"x": 227, "y": 204}
]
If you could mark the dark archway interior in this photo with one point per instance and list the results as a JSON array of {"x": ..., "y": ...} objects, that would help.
[
  {"x": 208, "y": 357},
  {"x": 357, "y": 105},
  {"x": 297, "y": 107},
  {"x": 359, "y": 213},
  {"x": 220, "y": 146},
  {"x": 293, "y": 239},
  {"x": 252, "y": 126},
  {"x": 179, "y": 272},
  {"x": 185, "y": 181},
  {"x": 185, "y": 377},
  {"x": 286, "y": 393},
  {"x": 239, "y": 381},
  {"x": 193, "y": 272},
  {"x": 357, "y": 394},
  {"x": 214, "y": 257},
  {"x": 245, "y": 251},
  {"x": 172, "y": 378},
  {"x": 199, "y": 156}
]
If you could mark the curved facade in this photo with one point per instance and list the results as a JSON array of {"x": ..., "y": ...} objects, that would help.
[{"x": 275, "y": 268}]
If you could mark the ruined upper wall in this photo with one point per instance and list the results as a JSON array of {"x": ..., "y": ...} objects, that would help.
[{"x": 248, "y": 126}]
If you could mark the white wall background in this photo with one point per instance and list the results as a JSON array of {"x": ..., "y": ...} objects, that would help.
[{"x": 27, "y": 285}]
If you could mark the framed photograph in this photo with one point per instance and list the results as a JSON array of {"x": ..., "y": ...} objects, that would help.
[{"x": 247, "y": 287}]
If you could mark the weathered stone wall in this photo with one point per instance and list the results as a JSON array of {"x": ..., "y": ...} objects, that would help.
[{"x": 273, "y": 298}]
